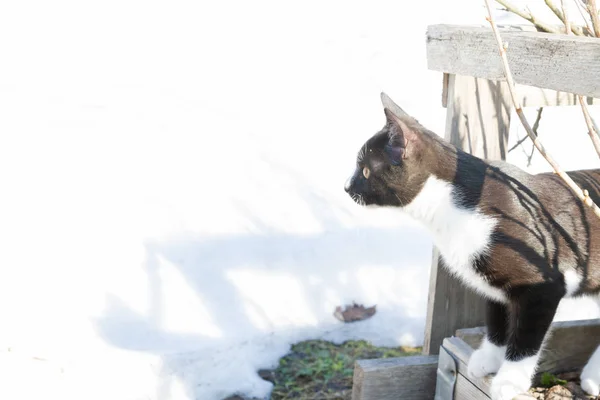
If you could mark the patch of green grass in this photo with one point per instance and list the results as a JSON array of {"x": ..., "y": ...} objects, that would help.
[
  {"x": 320, "y": 370},
  {"x": 549, "y": 380}
]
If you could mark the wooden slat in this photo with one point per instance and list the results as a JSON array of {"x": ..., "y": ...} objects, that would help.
[
  {"x": 570, "y": 345},
  {"x": 477, "y": 121},
  {"x": 532, "y": 96},
  {"x": 567, "y": 348},
  {"x": 466, "y": 390},
  {"x": 446, "y": 376},
  {"x": 559, "y": 62},
  {"x": 410, "y": 378},
  {"x": 462, "y": 353},
  {"x": 472, "y": 336}
]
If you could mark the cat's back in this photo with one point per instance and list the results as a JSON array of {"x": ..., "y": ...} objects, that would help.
[
  {"x": 512, "y": 185},
  {"x": 541, "y": 222}
]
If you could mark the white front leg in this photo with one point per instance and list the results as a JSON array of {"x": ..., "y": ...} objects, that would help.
[
  {"x": 486, "y": 360},
  {"x": 513, "y": 378},
  {"x": 590, "y": 376}
]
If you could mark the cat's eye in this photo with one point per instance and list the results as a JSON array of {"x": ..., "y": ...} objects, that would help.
[{"x": 366, "y": 172}]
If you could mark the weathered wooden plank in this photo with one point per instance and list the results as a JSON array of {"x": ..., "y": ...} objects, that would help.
[
  {"x": 531, "y": 96},
  {"x": 472, "y": 336},
  {"x": 567, "y": 348},
  {"x": 446, "y": 376},
  {"x": 410, "y": 378},
  {"x": 477, "y": 121},
  {"x": 570, "y": 345},
  {"x": 559, "y": 62},
  {"x": 451, "y": 384},
  {"x": 462, "y": 353},
  {"x": 466, "y": 390}
]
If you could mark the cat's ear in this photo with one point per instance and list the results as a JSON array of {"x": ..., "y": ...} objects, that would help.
[
  {"x": 392, "y": 106},
  {"x": 396, "y": 109},
  {"x": 402, "y": 138}
]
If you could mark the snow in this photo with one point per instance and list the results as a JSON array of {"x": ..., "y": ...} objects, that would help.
[{"x": 172, "y": 212}]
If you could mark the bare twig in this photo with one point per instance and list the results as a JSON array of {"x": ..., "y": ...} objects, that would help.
[
  {"x": 580, "y": 8},
  {"x": 566, "y": 20},
  {"x": 536, "y": 124},
  {"x": 530, "y": 157},
  {"x": 593, "y": 10},
  {"x": 581, "y": 194},
  {"x": 588, "y": 120},
  {"x": 528, "y": 16},
  {"x": 595, "y": 125},
  {"x": 586, "y": 113},
  {"x": 564, "y": 17}
]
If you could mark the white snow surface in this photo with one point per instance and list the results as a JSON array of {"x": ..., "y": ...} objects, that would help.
[{"x": 172, "y": 213}]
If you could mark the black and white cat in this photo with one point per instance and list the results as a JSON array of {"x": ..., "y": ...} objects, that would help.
[{"x": 522, "y": 241}]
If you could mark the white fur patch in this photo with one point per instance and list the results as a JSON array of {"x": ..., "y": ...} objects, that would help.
[
  {"x": 460, "y": 235},
  {"x": 572, "y": 281},
  {"x": 513, "y": 378},
  {"x": 590, "y": 376},
  {"x": 486, "y": 360}
]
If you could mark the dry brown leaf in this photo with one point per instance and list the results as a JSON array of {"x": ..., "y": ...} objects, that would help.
[{"x": 354, "y": 312}]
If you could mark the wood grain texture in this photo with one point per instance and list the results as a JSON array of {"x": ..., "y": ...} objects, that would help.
[
  {"x": 560, "y": 62},
  {"x": 472, "y": 336},
  {"x": 531, "y": 96},
  {"x": 446, "y": 376},
  {"x": 567, "y": 348},
  {"x": 570, "y": 345},
  {"x": 466, "y": 390},
  {"x": 477, "y": 121},
  {"x": 410, "y": 378},
  {"x": 461, "y": 352}
]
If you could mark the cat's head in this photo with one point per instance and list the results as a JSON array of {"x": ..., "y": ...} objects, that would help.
[{"x": 390, "y": 166}]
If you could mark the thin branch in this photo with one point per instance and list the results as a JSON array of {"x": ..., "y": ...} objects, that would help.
[
  {"x": 566, "y": 20},
  {"x": 583, "y": 195},
  {"x": 564, "y": 17},
  {"x": 586, "y": 113},
  {"x": 528, "y": 16},
  {"x": 580, "y": 8},
  {"x": 530, "y": 157},
  {"x": 595, "y": 125},
  {"x": 588, "y": 121},
  {"x": 536, "y": 124},
  {"x": 593, "y": 10}
]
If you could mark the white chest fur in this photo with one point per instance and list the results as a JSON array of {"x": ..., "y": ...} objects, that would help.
[{"x": 460, "y": 235}]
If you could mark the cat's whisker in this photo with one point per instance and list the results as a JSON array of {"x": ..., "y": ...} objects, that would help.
[{"x": 399, "y": 199}]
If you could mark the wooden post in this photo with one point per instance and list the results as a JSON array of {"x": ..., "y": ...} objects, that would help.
[{"x": 477, "y": 121}]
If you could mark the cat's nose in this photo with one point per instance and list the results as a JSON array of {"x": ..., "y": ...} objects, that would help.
[{"x": 347, "y": 184}]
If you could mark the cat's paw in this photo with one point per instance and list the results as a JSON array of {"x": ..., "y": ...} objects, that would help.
[
  {"x": 513, "y": 378},
  {"x": 590, "y": 386},
  {"x": 486, "y": 360},
  {"x": 590, "y": 376}
]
